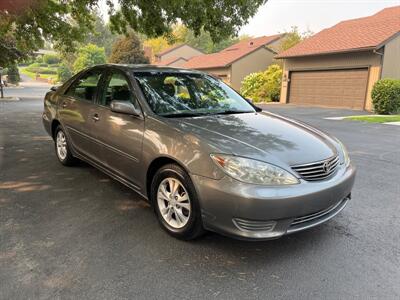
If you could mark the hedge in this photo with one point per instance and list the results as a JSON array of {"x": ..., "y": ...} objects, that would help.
[{"x": 386, "y": 96}]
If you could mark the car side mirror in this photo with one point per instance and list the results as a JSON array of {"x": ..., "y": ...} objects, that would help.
[
  {"x": 54, "y": 88},
  {"x": 124, "y": 107}
]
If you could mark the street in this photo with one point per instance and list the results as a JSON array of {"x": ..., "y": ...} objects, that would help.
[{"x": 76, "y": 233}]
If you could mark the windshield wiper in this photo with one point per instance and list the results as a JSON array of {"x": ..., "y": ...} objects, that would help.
[
  {"x": 183, "y": 115},
  {"x": 231, "y": 112}
]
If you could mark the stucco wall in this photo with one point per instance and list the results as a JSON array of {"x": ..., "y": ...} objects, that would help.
[
  {"x": 184, "y": 51},
  {"x": 256, "y": 61},
  {"x": 335, "y": 61},
  {"x": 391, "y": 59},
  {"x": 223, "y": 73}
]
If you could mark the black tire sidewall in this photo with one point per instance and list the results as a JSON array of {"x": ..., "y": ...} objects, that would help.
[{"x": 189, "y": 230}]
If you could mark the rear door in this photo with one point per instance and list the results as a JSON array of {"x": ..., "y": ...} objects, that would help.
[
  {"x": 76, "y": 113},
  {"x": 120, "y": 135}
]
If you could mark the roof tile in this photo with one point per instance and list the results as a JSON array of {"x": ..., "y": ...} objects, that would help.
[
  {"x": 351, "y": 35},
  {"x": 230, "y": 54}
]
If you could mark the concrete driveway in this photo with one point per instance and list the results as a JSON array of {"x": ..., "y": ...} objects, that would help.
[{"x": 76, "y": 233}]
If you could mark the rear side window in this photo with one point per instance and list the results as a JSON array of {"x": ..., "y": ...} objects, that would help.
[{"x": 85, "y": 87}]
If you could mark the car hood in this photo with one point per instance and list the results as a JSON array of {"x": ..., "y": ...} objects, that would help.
[{"x": 262, "y": 136}]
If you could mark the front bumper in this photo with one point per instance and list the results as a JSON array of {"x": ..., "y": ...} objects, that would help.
[{"x": 248, "y": 211}]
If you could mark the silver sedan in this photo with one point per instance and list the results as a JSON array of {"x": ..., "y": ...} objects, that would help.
[{"x": 202, "y": 155}]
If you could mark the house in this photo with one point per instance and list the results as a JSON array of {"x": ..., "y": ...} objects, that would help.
[
  {"x": 176, "y": 56},
  {"x": 338, "y": 66},
  {"x": 239, "y": 60}
]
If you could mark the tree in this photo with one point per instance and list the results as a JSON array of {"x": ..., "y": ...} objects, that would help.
[
  {"x": 128, "y": 50},
  {"x": 63, "y": 73},
  {"x": 101, "y": 34},
  {"x": 13, "y": 74},
  {"x": 293, "y": 37},
  {"x": 64, "y": 23},
  {"x": 88, "y": 56}
]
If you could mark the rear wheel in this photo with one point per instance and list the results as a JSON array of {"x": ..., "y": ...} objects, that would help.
[
  {"x": 63, "y": 151},
  {"x": 175, "y": 203}
]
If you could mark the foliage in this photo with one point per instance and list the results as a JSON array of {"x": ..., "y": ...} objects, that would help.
[
  {"x": 273, "y": 84},
  {"x": 51, "y": 59},
  {"x": 253, "y": 87},
  {"x": 27, "y": 26},
  {"x": 41, "y": 70},
  {"x": 38, "y": 65},
  {"x": 157, "y": 44},
  {"x": 39, "y": 59},
  {"x": 128, "y": 50},
  {"x": 101, "y": 34},
  {"x": 63, "y": 73},
  {"x": 263, "y": 86},
  {"x": 88, "y": 56},
  {"x": 386, "y": 96},
  {"x": 293, "y": 37},
  {"x": 13, "y": 74},
  {"x": 202, "y": 41}
]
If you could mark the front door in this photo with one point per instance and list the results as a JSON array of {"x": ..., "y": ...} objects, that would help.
[
  {"x": 120, "y": 135},
  {"x": 76, "y": 113}
]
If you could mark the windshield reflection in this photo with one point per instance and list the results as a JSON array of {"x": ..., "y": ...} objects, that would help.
[{"x": 187, "y": 95}]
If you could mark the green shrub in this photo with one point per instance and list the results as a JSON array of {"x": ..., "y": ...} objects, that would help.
[
  {"x": 51, "y": 59},
  {"x": 63, "y": 73},
  {"x": 36, "y": 64},
  {"x": 253, "y": 87},
  {"x": 386, "y": 96},
  {"x": 13, "y": 74},
  {"x": 88, "y": 56},
  {"x": 274, "y": 80},
  {"x": 41, "y": 70},
  {"x": 263, "y": 86},
  {"x": 39, "y": 59}
]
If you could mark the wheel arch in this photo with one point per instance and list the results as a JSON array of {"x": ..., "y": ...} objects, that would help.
[
  {"x": 155, "y": 165},
  {"x": 54, "y": 124}
]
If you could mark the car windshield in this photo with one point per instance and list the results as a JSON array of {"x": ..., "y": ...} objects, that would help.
[{"x": 187, "y": 94}]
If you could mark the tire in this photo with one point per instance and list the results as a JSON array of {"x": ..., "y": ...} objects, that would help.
[
  {"x": 185, "y": 216},
  {"x": 63, "y": 150}
]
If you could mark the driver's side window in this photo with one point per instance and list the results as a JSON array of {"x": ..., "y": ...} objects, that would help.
[{"x": 116, "y": 88}]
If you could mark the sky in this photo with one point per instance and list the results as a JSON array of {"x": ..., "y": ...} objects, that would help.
[{"x": 279, "y": 15}]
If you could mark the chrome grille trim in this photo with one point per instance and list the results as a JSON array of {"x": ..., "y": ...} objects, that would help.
[
  {"x": 316, "y": 215},
  {"x": 317, "y": 170}
]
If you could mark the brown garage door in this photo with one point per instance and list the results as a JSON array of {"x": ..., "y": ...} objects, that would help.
[{"x": 337, "y": 88}]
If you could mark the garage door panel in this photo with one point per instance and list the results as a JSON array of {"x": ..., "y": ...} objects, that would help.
[{"x": 339, "y": 88}]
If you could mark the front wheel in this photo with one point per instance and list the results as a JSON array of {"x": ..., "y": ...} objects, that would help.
[
  {"x": 63, "y": 151},
  {"x": 175, "y": 203}
]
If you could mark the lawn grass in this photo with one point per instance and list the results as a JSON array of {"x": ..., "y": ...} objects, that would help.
[
  {"x": 375, "y": 118},
  {"x": 33, "y": 75}
]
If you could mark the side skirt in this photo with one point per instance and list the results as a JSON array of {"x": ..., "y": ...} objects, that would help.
[{"x": 114, "y": 176}]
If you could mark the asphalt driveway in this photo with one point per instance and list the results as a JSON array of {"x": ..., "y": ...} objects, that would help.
[{"x": 76, "y": 233}]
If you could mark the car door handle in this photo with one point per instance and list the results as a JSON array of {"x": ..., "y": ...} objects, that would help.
[{"x": 95, "y": 117}]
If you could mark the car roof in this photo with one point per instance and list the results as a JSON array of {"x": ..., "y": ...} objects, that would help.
[{"x": 149, "y": 68}]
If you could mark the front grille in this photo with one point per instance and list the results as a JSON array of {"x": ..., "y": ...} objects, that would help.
[
  {"x": 251, "y": 225},
  {"x": 318, "y": 170},
  {"x": 316, "y": 215}
]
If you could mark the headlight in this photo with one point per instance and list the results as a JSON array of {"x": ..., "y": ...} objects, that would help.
[{"x": 253, "y": 171}]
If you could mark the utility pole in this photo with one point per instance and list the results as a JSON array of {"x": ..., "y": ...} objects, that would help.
[{"x": 1, "y": 83}]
